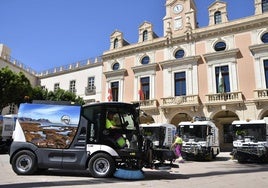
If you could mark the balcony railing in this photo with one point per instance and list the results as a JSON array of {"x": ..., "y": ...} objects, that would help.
[
  {"x": 224, "y": 98},
  {"x": 147, "y": 104},
  {"x": 90, "y": 90},
  {"x": 261, "y": 94},
  {"x": 188, "y": 100}
]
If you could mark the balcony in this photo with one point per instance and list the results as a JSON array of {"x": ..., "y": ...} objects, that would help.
[
  {"x": 147, "y": 104},
  {"x": 224, "y": 98},
  {"x": 180, "y": 101},
  {"x": 90, "y": 90},
  {"x": 261, "y": 95}
]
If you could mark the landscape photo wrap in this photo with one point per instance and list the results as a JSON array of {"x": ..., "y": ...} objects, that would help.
[{"x": 49, "y": 126}]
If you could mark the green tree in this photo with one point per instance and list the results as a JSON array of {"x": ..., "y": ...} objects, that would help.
[
  {"x": 14, "y": 87},
  {"x": 59, "y": 95},
  {"x": 38, "y": 93}
]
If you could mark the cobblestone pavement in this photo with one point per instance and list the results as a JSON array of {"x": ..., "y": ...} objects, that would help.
[{"x": 221, "y": 173}]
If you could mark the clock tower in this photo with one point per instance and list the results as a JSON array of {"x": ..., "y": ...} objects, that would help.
[{"x": 180, "y": 17}]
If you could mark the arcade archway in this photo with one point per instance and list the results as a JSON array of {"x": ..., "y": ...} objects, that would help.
[
  {"x": 179, "y": 118},
  {"x": 223, "y": 121}
]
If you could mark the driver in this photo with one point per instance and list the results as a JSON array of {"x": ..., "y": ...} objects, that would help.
[{"x": 110, "y": 124}]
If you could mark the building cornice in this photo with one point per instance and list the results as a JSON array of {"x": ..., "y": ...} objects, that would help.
[
  {"x": 259, "y": 48},
  {"x": 143, "y": 68},
  {"x": 232, "y": 27},
  {"x": 215, "y": 56},
  {"x": 134, "y": 48},
  {"x": 116, "y": 73},
  {"x": 60, "y": 71},
  {"x": 182, "y": 61}
]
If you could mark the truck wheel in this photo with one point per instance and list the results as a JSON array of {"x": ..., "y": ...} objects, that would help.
[
  {"x": 24, "y": 163},
  {"x": 101, "y": 165}
]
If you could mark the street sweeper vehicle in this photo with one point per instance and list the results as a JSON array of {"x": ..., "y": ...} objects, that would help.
[
  {"x": 200, "y": 139},
  {"x": 52, "y": 135},
  {"x": 7, "y": 126},
  {"x": 250, "y": 140},
  {"x": 161, "y": 137}
]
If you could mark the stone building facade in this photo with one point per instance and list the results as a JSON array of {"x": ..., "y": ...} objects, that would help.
[{"x": 219, "y": 71}]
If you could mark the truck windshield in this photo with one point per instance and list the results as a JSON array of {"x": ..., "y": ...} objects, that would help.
[
  {"x": 256, "y": 132},
  {"x": 197, "y": 132}
]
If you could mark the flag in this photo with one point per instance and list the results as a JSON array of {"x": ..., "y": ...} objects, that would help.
[
  {"x": 110, "y": 95},
  {"x": 141, "y": 94},
  {"x": 220, "y": 83}
]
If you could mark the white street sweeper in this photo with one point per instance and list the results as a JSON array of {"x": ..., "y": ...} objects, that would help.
[
  {"x": 200, "y": 139},
  {"x": 50, "y": 135},
  {"x": 250, "y": 141}
]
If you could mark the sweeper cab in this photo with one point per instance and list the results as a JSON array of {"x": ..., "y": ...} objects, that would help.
[
  {"x": 200, "y": 139},
  {"x": 67, "y": 136},
  {"x": 250, "y": 140},
  {"x": 158, "y": 138}
]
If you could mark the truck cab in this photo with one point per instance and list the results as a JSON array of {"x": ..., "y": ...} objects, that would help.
[
  {"x": 250, "y": 140},
  {"x": 200, "y": 139}
]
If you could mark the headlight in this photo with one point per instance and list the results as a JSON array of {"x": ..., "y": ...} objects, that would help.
[
  {"x": 237, "y": 144},
  {"x": 202, "y": 144}
]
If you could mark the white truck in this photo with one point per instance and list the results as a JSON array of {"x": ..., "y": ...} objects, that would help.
[
  {"x": 250, "y": 141},
  {"x": 200, "y": 139},
  {"x": 155, "y": 131},
  {"x": 7, "y": 126}
]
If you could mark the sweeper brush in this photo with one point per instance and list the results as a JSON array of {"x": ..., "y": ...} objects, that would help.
[{"x": 129, "y": 174}]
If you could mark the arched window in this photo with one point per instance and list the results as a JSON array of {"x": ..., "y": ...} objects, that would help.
[
  {"x": 116, "y": 66},
  {"x": 264, "y": 6},
  {"x": 264, "y": 38},
  {"x": 145, "y": 35},
  {"x": 115, "y": 43},
  {"x": 217, "y": 17},
  {"x": 220, "y": 46},
  {"x": 179, "y": 54},
  {"x": 145, "y": 60}
]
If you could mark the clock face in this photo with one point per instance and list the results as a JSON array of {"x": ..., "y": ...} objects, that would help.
[{"x": 177, "y": 8}]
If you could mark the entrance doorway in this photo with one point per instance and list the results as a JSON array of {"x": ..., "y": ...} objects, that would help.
[{"x": 223, "y": 120}]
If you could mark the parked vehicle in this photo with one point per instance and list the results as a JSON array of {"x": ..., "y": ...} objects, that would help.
[
  {"x": 161, "y": 137},
  {"x": 75, "y": 137},
  {"x": 200, "y": 139},
  {"x": 7, "y": 126},
  {"x": 250, "y": 141}
]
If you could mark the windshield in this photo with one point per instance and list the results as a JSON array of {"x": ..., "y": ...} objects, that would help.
[
  {"x": 197, "y": 132},
  {"x": 252, "y": 131},
  {"x": 151, "y": 132}
]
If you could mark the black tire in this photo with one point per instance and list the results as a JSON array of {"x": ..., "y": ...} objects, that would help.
[
  {"x": 101, "y": 165},
  {"x": 24, "y": 163}
]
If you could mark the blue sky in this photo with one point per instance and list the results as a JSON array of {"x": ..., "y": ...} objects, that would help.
[{"x": 43, "y": 34}]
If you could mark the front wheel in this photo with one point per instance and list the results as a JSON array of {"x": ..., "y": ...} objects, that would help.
[
  {"x": 101, "y": 165},
  {"x": 24, "y": 163}
]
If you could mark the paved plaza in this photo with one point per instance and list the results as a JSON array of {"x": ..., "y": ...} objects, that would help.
[{"x": 223, "y": 172}]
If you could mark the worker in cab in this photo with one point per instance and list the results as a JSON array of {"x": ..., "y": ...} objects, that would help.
[{"x": 111, "y": 124}]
